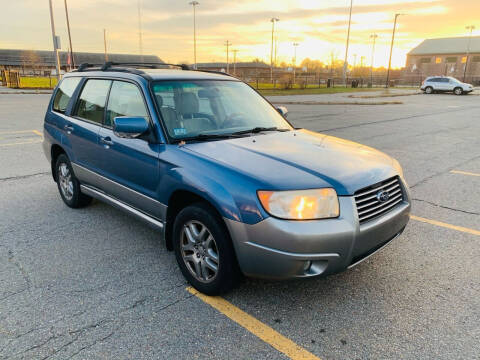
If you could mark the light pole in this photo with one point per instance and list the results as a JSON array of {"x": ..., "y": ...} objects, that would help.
[
  {"x": 140, "y": 43},
  {"x": 69, "y": 35},
  {"x": 105, "y": 44},
  {"x": 354, "y": 63},
  {"x": 55, "y": 42},
  {"x": 227, "y": 44},
  {"x": 391, "y": 49},
  {"x": 194, "y": 4},
  {"x": 295, "y": 44},
  {"x": 345, "y": 63},
  {"x": 235, "y": 61},
  {"x": 471, "y": 28},
  {"x": 374, "y": 37},
  {"x": 273, "y": 20}
]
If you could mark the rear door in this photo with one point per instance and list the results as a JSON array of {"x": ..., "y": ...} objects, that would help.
[
  {"x": 82, "y": 128},
  {"x": 130, "y": 165}
]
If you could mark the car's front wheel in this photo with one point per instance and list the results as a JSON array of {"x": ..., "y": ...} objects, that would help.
[
  {"x": 204, "y": 251},
  {"x": 68, "y": 184},
  {"x": 458, "y": 91},
  {"x": 428, "y": 90}
]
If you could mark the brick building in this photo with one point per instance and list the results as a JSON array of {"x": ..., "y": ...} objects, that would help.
[{"x": 446, "y": 56}]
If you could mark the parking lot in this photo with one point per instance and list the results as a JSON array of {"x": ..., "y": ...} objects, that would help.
[{"x": 95, "y": 283}]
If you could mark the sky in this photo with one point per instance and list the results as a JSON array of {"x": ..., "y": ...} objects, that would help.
[{"x": 318, "y": 26}]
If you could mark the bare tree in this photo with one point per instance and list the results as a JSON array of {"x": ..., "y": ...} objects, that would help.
[{"x": 32, "y": 59}]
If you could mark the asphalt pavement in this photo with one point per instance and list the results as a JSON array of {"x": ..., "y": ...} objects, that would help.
[{"x": 95, "y": 283}]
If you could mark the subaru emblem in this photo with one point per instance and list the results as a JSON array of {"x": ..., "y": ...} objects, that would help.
[{"x": 383, "y": 196}]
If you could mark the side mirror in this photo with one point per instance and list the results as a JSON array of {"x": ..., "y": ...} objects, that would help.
[
  {"x": 129, "y": 126},
  {"x": 283, "y": 111}
]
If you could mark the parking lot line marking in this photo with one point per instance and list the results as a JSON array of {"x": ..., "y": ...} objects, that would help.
[
  {"x": 464, "y": 173},
  {"x": 16, "y": 132},
  {"x": 37, "y": 132},
  {"x": 445, "y": 225},
  {"x": 22, "y": 143},
  {"x": 256, "y": 327}
]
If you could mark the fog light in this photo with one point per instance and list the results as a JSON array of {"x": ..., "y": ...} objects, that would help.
[{"x": 307, "y": 265}]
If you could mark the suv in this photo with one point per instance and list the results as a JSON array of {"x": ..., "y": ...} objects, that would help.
[
  {"x": 444, "y": 84},
  {"x": 231, "y": 185}
]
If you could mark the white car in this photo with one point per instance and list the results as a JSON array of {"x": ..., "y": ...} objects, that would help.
[{"x": 445, "y": 83}]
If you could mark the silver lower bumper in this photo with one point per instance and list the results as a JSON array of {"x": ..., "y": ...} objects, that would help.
[{"x": 281, "y": 249}]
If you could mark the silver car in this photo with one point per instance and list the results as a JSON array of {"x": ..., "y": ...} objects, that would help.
[{"x": 445, "y": 84}]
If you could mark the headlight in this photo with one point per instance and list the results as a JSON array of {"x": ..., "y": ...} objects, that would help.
[{"x": 301, "y": 204}]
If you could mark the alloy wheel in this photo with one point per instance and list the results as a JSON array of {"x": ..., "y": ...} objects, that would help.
[
  {"x": 199, "y": 251},
  {"x": 65, "y": 181}
]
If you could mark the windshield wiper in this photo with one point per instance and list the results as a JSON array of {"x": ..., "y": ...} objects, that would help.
[
  {"x": 258, "y": 129},
  {"x": 203, "y": 136}
]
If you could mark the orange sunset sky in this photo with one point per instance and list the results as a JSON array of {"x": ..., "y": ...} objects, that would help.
[{"x": 319, "y": 26}]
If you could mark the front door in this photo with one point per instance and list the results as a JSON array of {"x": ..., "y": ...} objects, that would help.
[{"x": 130, "y": 165}]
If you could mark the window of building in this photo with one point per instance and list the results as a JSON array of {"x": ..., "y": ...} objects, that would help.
[
  {"x": 464, "y": 60},
  {"x": 125, "y": 99},
  {"x": 91, "y": 104},
  {"x": 425, "y": 60},
  {"x": 64, "y": 93},
  {"x": 476, "y": 58},
  {"x": 438, "y": 60},
  {"x": 451, "y": 59}
]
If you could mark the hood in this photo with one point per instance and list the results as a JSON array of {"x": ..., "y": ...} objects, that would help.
[{"x": 300, "y": 159}]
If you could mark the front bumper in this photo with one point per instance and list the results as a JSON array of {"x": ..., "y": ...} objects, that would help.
[{"x": 281, "y": 249}]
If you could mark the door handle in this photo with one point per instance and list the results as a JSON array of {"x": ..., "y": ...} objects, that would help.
[
  {"x": 106, "y": 141},
  {"x": 68, "y": 128}
]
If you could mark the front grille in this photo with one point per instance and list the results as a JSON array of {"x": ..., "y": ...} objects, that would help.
[{"x": 368, "y": 204}]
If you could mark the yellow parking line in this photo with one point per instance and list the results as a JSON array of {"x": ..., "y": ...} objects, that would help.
[
  {"x": 37, "y": 132},
  {"x": 256, "y": 327},
  {"x": 464, "y": 173},
  {"x": 445, "y": 225},
  {"x": 22, "y": 143}
]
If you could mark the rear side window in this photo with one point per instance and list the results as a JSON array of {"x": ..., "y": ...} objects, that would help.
[
  {"x": 125, "y": 100},
  {"x": 91, "y": 103},
  {"x": 64, "y": 93}
]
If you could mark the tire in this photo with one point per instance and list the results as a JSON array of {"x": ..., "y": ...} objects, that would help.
[
  {"x": 68, "y": 184},
  {"x": 428, "y": 90},
  {"x": 458, "y": 91},
  {"x": 204, "y": 250}
]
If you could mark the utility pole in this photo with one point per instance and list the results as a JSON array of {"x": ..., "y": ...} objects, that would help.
[
  {"x": 471, "y": 28},
  {"x": 345, "y": 63},
  {"x": 391, "y": 49},
  {"x": 55, "y": 41},
  {"x": 374, "y": 37},
  {"x": 69, "y": 35},
  {"x": 194, "y": 4},
  {"x": 105, "y": 44},
  {"x": 354, "y": 63},
  {"x": 227, "y": 44},
  {"x": 295, "y": 44},
  {"x": 140, "y": 44},
  {"x": 273, "y": 20},
  {"x": 235, "y": 62}
]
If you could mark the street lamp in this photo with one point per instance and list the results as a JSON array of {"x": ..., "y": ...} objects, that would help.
[
  {"x": 140, "y": 42},
  {"x": 374, "y": 37},
  {"x": 273, "y": 20},
  {"x": 72, "y": 62},
  {"x": 391, "y": 48},
  {"x": 235, "y": 61},
  {"x": 471, "y": 28},
  {"x": 55, "y": 41},
  {"x": 194, "y": 4},
  {"x": 295, "y": 44},
  {"x": 227, "y": 44},
  {"x": 345, "y": 63}
]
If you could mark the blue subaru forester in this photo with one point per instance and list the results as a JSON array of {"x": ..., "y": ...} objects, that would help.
[{"x": 231, "y": 185}]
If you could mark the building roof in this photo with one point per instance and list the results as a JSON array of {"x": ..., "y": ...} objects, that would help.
[
  {"x": 14, "y": 57},
  {"x": 455, "y": 45}
]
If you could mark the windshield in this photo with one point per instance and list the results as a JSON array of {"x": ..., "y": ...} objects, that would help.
[{"x": 190, "y": 108}]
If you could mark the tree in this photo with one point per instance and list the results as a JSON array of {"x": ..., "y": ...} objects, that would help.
[{"x": 32, "y": 59}]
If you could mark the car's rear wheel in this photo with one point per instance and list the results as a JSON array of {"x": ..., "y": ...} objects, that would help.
[
  {"x": 458, "y": 91},
  {"x": 204, "y": 251},
  {"x": 428, "y": 90},
  {"x": 68, "y": 184}
]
